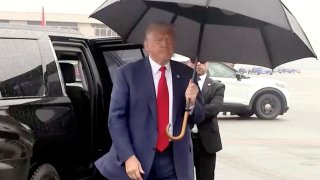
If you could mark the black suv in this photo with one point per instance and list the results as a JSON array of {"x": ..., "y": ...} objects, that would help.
[{"x": 54, "y": 98}]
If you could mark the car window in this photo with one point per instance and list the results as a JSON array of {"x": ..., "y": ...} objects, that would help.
[
  {"x": 79, "y": 72},
  {"x": 221, "y": 70},
  {"x": 117, "y": 58},
  {"x": 21, "y": 71},
  {"x": 75, "y": 57}
]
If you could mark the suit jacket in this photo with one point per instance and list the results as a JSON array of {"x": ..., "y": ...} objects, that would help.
[
  {"x": 213, "y": 94},
  {"x": 133, "y": 120}
]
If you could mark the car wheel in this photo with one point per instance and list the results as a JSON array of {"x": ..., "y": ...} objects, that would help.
[
  {"x": 45, "y": 172},
  {"x": 245, "y": 114},
  {"x": 268, "y": 106}
]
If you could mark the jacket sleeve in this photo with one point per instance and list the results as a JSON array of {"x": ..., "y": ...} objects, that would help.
[
  {"x": 198, "y": 113},
  {"x": 214, "y": 106},
  {"x": 118, "y": 117}
]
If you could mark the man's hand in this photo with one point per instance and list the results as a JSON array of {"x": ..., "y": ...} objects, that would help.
[
  {"x": 191, "y": 93},
  {"x": 133, "y": 168}
]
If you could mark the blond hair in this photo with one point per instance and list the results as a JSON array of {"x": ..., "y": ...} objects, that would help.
[{"x": 159, "y": 26}]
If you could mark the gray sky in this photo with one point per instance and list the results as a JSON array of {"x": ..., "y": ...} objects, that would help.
[
  {"x": 306, "y": 11},
  {"x": 53, "y": 6}
]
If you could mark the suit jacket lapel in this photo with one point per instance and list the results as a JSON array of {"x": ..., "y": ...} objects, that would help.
[
  {"x": 149, "y": 92},
  {"x": 206, "y": 86},
  {"x": 176, "y": 85}
]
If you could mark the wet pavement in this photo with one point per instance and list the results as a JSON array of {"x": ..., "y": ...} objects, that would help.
[{"x": 287, "y": 148}]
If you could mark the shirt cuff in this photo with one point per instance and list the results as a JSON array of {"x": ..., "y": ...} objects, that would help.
[{"x": 190, "y": 109}]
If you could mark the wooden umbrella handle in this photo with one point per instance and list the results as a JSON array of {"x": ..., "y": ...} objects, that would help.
[{"x": 183, "y": 128}]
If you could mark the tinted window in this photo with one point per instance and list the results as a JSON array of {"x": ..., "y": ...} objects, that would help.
[
  {"x": 78, "y": 71},
  {"x": 221, "y": 70},
  {"x": 115, "y": 59},
  {"x": 21, "y": 70}
]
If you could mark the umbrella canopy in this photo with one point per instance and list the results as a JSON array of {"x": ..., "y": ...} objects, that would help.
[{"x": 255, "y": 32}]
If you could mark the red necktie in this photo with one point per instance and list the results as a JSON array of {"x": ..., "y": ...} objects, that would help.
[{"x": 163, "y": 111}]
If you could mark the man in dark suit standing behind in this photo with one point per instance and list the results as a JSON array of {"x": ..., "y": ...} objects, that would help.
[
  {"x": 205, "y": 136},
  {"x": 147, "y": 95}
]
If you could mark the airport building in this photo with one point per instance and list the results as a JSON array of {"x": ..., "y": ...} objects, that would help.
[{"x": 79, "y": 22}]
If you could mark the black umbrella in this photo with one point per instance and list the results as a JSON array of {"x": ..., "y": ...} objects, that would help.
[{"x": 259, "y": 32}]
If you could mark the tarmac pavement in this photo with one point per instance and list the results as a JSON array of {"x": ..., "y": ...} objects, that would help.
[{"x": 287, "y": 148}]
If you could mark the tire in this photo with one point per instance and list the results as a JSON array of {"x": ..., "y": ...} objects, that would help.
[
  {"x": 267, "y": 106},
  {"x": 245, "y": 114},
  {"x": 45, "y": 172}
]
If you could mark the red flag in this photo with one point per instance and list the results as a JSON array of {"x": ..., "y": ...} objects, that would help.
[{"x": 43, "y": 20}]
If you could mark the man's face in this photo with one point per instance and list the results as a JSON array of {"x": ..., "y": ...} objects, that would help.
[
  {"x": 159, "y": 44},
  {"x": 201, "y": 67}
]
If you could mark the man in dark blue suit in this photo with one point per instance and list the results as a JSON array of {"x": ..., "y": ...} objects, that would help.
[{"x": 147, "y": 95}]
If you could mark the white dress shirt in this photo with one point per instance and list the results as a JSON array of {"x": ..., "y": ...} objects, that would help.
[
  {"x": 200, "y": 83},
  {"x": 156, "y": 73}
]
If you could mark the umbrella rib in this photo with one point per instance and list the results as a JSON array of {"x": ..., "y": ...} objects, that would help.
[
  {"x": 267, "y": 49},
  {"x": 200, "y": 39},
  {"x": 201, "y": 31},
  {"x": 136, "y": 23},
  {"x": 174, "y": 18},
  {"x": 284, "y": 7},
  {"x": 287, "y": 18}
]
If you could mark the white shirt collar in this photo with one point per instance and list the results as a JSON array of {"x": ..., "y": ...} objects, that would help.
[
  {"x": 155, "y": 67},
  {"x": 203, "y": 77}
]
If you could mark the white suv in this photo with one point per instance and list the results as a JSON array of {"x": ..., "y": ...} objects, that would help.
[{"x": 245, "y": 96}]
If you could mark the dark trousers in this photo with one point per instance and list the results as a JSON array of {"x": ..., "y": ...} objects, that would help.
[
  {"x": 204, "y": 162},
  {"x": 163, "y": 166}
]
